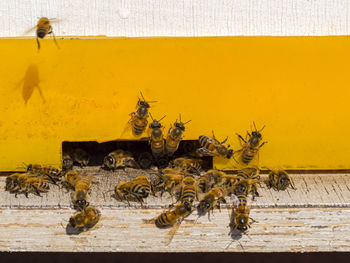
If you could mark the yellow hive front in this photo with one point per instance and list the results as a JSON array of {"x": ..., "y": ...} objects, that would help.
[{"x": 297, "y": 86}]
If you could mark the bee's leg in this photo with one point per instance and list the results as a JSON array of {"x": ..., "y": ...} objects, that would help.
[
  {"x": 253, "y": 221},
  {"x": 37, "y": 40},
  {"x": 261, "y": 145},
  {"x": 54, "y": 38},
  {"x": 241, "y": 138}
]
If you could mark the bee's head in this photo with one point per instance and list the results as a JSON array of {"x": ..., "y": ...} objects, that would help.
[
  {"x": 229, "y": 154},
  {"x": 41, "y": 34}
]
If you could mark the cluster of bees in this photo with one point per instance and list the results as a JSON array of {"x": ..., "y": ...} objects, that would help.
[{"x": 183, "y": 179}]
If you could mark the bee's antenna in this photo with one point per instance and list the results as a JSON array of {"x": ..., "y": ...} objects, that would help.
[
  {"x": 262, "y": 128},
  {"x": 187, "y": 122},
  {"x": 180, "y": 116},
  {"x": 162, "y": 118},
  {"x": 255, "y": 126},
  {"x": 142, "y": 96},
  {"x": 151, "y": 116}
]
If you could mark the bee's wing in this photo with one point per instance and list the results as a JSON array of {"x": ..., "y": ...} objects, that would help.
[
  {"x": 204, "y": 152},
  {"x": 235, "y": 201},
  {"x": 127, "y": 128},
  {"x": 249, "y": 203},
  {"x": 29, "y": 30},
  {"x": 172, "y": 232}
]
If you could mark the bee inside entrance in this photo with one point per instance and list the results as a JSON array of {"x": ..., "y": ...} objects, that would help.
[{"x": 92, "y": 153}]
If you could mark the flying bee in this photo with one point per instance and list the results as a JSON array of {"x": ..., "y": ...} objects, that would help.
[
  {"x": 212, "y": 199},
  {"x": 82, "y": 188},
  {"x": 251, "y": 146},
  {"x": 138, "y": 119},
  {"x": 85, "y": 219},
  {"x": 169, "y": 181},
  {"x": 212, "y": 147},
  {"x": 174, "y": 136},
  {"x": 240, "y": 219},
  {"x": 279, "y": 180},
  {"x": 247, "y": 187},
  {"x": 67, "y": 162},
  {"x": 156, "y": 138},
  {"x": 119, "y": 159},
  {"x": 138, "y": 188},
  {"x": 217, "y": 178},
  {"x": 187, "y": 164},
  {"x": 43, "y": 28},
  {"x": 52, "y": 173},
  {"x": 189, "y": 190}
]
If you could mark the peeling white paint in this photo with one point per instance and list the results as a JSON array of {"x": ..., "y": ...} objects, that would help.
[{"x": 179, "y": 17}]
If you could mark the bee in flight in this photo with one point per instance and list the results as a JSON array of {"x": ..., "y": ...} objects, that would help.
[
  {"x": 212, "y": 147},
  {"x": 240, "y": 219},
  {"x": 119, "y": 159},
  {"x": 85, "y": 219},
  {"x": 279, "y": 180},
  {"x": 44, "y": 28},
  {"x": 251, "y": 146},
  {"x": 156, "y": 138},
  {"x": 174, "y": 136},
  {"x": 138, "y": 119},
  {"x": 138, "y": 188}
]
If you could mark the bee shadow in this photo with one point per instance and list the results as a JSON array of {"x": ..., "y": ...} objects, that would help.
[
  {"x": 129, "y": 198},
  {"x": 77, "y": 230}
]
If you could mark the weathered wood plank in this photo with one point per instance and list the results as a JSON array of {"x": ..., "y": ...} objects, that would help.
[{"x": 315, "y": 217}]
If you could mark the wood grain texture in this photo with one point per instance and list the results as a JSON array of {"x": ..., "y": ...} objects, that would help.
[
  {"x": 179, "y": 17},
  {"x": 315, "y": 217}
]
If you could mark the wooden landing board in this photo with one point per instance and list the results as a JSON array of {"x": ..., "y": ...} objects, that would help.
[{"x": 315, "y": 217}]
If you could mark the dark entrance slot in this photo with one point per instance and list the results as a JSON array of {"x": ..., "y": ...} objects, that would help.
[{"x": 140, "y": 150}]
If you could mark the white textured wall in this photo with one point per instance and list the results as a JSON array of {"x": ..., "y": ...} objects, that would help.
[{"x": 179, "y": 17}]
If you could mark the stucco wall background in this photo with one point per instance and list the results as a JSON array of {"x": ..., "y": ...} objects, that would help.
[{"x": 179, "y": 17}]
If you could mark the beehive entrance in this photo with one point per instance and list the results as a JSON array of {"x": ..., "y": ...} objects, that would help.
[{"x": 140, "y": 150}]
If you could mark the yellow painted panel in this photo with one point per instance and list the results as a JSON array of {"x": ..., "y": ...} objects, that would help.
[{"x": 297, "y": 86}]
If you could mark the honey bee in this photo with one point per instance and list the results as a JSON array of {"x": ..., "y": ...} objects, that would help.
[
  {"x": 217, "y": 178},
  {"x": 240, "y": 219},
  {"x": 71, "y": 178},
  {"x": 156, "y": 138},
  {"x": 85, "y": 219},
  {"x": 138, "y": 119},
  {"x": 43, "y": 28},
  {"x": 27, "y": 183},
  {"x": 250, "y": 148},
  {"x": 189, "y": 190},
  {"x": 212, "y": 147},
  {"x": 119, "y": 159},
  {"x": 247, "y": 187},
  {"x": 67, "y": 162},
  {"x": 249, "y": 173},
  {"x": 174, "y": 137},
  {"x": 186, "y": 164},
  {"x": 169, "y": 181},
  {"x": 171, "y": 216},
  {"x": 279, "y": 180},
  {"x": 139, "y": 188},
  {"x": 82, "y": 188},
  {"x": 211, "y": 199},
  {"x": 80, "y": 157},
  {"x": 52, "y": 173}
]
